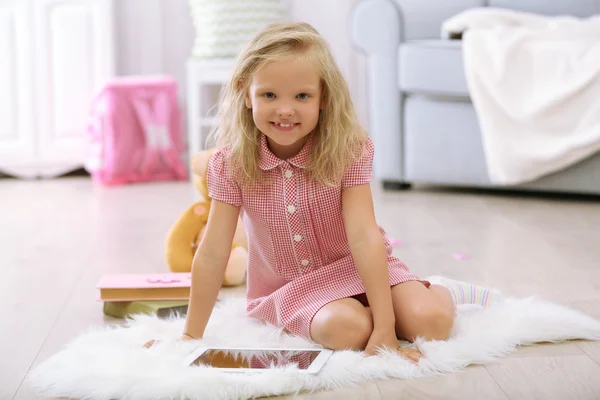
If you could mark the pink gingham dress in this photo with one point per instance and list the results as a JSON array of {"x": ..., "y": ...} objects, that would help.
[{"x": 299, "y": 258}]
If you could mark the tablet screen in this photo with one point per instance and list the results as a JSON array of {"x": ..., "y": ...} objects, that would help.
[{"x": 256, "y": 359}]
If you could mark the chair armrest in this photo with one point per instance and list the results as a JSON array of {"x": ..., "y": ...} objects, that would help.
[{"x": 375, "y": 29}]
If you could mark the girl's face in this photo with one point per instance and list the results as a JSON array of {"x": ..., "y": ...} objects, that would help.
[{"x": 285, "y": 98}]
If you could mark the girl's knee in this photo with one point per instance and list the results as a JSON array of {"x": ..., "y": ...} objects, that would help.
[
  {"x": 428, "y": 322},
  {"x": 344, "y": 329}
]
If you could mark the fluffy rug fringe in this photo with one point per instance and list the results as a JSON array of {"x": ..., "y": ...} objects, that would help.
[{"x": 111, "y": 363}]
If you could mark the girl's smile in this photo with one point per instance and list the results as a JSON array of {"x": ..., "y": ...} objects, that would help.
[{"x": 284, "y": 126}]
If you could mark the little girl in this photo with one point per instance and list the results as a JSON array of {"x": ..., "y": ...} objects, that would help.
[{"x": 295, "y": 162}]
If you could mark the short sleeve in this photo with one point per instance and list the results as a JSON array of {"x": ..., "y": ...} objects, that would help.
[
  {"x": 221, "y": 186},
  {"x": 361, "y": 170}
]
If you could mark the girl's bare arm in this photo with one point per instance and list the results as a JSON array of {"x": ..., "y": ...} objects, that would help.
[
  {"x": 208, "y": 266},
  {"x": 369, "y": 254}
]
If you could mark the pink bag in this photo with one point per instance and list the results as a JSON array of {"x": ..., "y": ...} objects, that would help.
[{"x": 135, "y": 130}]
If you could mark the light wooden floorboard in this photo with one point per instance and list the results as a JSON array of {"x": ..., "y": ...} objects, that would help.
[
  {"x": 548, "y": 378},
  {"x": 368, "y": 391},
  {"x": 473, "y": 383}
]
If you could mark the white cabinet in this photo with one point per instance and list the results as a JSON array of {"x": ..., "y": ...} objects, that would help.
[
  {"x": 54, "y": 55},
  {"x": 17, "y": 141},
  {"x": 204, "y": 81}
]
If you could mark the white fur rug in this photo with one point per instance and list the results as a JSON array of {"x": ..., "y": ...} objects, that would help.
[{"x": 110, "y": 363}]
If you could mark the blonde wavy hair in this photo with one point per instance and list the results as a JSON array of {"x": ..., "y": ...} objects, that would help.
[{"x": 338, "y": 138}]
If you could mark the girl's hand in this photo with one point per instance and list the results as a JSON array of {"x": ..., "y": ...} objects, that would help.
[
  {"x": 151, "y": 343},
  {"x": 387, "y": 340}
]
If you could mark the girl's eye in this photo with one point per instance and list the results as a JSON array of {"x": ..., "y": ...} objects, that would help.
[
  {"x": 269, "y": 95},
  {"x": 302, "y": 96}
]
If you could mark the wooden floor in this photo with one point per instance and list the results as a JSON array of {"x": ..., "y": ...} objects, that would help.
[{"x": 59, "y": 236}]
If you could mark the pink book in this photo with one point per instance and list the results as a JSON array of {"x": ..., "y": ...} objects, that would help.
[{"x": 132, "y": 287}]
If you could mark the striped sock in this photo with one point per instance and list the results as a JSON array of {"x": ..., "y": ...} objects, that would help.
[{"x": 468, "y": 293}]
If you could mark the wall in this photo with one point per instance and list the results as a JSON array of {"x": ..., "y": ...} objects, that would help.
[{"x": 155, "y": 36}]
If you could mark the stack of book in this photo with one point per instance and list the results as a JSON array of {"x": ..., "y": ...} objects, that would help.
[{"x": 164, "y": 295}]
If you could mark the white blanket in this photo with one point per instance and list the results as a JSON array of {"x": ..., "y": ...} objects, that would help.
[
  {"x": 105, "y": 364},
  {"x": 535, "y": 84}
]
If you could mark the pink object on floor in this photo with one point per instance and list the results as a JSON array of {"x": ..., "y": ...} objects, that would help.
[
  {"x": 461, "y": 256},
  {"x": 396, "y": 242},
  {"x": 133, "y": 287},
  {"x": 162, "y": 280},
  {"x": 141, "y": 281},
  {"x": 135, "y": 130}
]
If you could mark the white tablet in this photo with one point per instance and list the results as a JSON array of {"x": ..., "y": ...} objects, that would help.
[{"x": 240, "y": 359}]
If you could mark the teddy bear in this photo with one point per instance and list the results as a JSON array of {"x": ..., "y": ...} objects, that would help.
[{"x": 185, "y": 235}]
